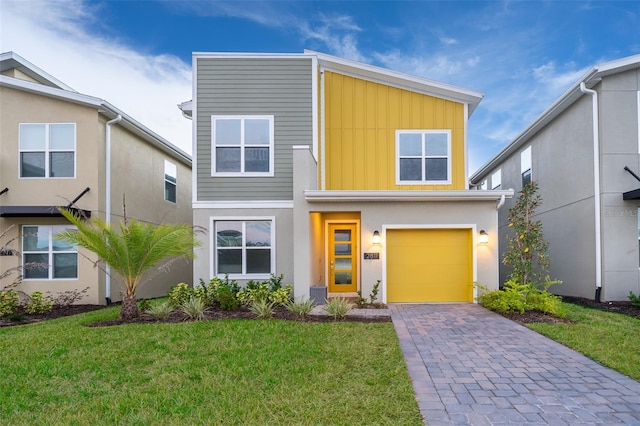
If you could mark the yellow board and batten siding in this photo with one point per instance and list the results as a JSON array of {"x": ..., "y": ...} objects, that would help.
[{"x": 361, "y": 119}]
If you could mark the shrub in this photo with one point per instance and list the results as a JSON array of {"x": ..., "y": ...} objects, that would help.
[
  {"x": 193, "y": 308},
  {"x": 519, "y": 298},
  {"x": 301, "y": 307},
  {"x": 337, "y": 307},
  {"x": 275, "y": 282},
  {"x": 255, "y": 293},
  {"x": 180, "y": 293},
  {"x": 9, "y": 303},
  {"x": 281, "y": 296},
  {"x": 69, "y": 297},
  {"x": 144, "y": 305},
  {"x": 38, "y": 304},
  {"x": 262, "y": 308},
  {"x": 208, "y": 292},
  {"x": 227, "y": 298},
  {"x": 635, "y": 299},
  {"x": 161, "y": 311}
]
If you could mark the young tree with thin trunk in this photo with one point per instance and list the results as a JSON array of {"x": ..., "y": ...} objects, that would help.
[
  {"x": 131, "y": 250},
  {"x": 527, "y": 248}
]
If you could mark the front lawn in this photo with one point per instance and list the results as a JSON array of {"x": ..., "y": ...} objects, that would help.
[
  {"x": 243, "y": 372},
  {"x": 611, "y": 339}
]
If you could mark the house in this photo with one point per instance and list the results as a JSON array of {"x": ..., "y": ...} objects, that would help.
[
  {"x": 59, "y": 147},
  {"x": 584, "y": 153},
  {"x": 337, "y": 174}
]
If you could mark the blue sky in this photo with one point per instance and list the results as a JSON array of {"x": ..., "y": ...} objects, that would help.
[{"x": 137, "y": 54}]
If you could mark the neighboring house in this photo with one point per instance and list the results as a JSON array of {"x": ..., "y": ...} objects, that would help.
[
  {"x": 54, "y": 145},
  {"x": 590, "y": 201},
  {"x": 337, "y": 174}
]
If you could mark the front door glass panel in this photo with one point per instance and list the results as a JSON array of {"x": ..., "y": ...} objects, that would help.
[{"x": 342, "y": 258}]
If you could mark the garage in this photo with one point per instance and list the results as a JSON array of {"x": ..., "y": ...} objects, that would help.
[{"x": 429, "y": 265}]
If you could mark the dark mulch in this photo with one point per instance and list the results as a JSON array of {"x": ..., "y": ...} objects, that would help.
[
  {"x": 58, "y": 311},
  {"x": 213, "y": 314},
  {"x": 621, "y": 307},
  {"x": 177, "y": 316}
]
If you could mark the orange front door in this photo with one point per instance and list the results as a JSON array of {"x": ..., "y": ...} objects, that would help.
[{"x": 343, "y": 258}]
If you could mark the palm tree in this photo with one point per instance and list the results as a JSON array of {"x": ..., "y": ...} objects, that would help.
[{"x": 131, "y": 250}]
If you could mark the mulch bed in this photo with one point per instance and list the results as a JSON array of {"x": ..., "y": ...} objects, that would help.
[
  {"x": 621, "y": 307},
  {"x": 58, "y": 311}
]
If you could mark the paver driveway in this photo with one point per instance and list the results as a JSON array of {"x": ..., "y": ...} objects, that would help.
[{"x": 471, "y": 366}]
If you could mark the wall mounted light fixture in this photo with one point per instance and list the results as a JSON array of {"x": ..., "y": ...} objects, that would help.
[
  {"x": 376, "y": 239},
  {"x": 483, "y": 238}
]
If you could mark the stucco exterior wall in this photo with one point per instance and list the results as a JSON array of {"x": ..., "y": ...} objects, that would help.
[
  {"x": 620, "y": 141},
  {"x": 562, "y": 164},
  {"x": 138, "y": 171}
]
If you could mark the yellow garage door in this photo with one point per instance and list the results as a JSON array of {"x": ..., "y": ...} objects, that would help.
[{"x": 429, "y": 265}]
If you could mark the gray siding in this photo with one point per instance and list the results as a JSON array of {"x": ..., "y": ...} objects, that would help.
[{"x": 281, "y": 87}]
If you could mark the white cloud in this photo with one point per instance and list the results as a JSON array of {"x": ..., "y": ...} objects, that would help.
[{"x": 147, "y": 87}]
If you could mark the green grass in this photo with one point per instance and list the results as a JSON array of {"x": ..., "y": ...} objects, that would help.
[
  {"x": 257, "y": 372},
  {"x": 611, "y": 339}
]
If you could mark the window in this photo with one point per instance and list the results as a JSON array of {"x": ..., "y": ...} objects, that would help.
[
  {"x": 170, "y": 181},
  {"x": 44, "y": 257},
  {"x": 525, "y": 166},
  {"x": 244, "y": 247},
  {"x": 47, "y": 150},
  {"x": 423, "y": 156},
  {"x": 496, "y": 180},
  {"x": 242, "y": 145}
]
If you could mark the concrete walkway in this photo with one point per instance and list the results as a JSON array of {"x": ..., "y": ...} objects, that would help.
[{"x": 470, "y": 366}]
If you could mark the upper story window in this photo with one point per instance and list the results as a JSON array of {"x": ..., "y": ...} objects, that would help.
[
  {"x": 44, "y": 257},
  {"x": 242, "y": 145},
  {"x": 423, "y": 156},
  {"x": 496, "y": 180},
  {"x": 170, "y": 181},
  {"x": 47, "y": 150},
  {"x": 525, "y": 166}
]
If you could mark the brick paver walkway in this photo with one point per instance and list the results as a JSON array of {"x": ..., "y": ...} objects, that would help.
[{"x": 470, "y": 366}]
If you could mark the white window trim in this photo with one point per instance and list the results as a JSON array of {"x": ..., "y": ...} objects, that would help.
[
  {"x": 213, "y": 258},
  {"x": 423, "y": 182},
  {"x": 526, "y": 163},
  {"x": 50, "y": 253},
  {"x": 166, "y": 181},
  {"x": 47, "y": 151},
  {"x": 496, "y": 180},
  {"x": 483, "y": 185},
  {"x": 270, "y": 173}
]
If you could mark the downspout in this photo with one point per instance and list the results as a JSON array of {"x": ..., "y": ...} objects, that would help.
[
  {"x": 107, "y": 209},
  {"x": 596, "y": 185},
  {"x": 503, "y": 198}
]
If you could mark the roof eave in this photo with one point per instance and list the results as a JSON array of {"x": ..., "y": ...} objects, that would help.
[{"x": 399, "y": 79}]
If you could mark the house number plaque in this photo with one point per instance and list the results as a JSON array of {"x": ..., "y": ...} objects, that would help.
[{"x": 371, "y": 256}]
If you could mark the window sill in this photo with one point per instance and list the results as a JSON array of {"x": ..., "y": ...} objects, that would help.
[{"x": 246, "y": 276}]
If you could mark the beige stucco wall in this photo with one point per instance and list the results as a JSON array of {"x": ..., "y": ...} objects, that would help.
[
  {"x": 22, "y": 107},
  {"x": 138, "y": 172}
]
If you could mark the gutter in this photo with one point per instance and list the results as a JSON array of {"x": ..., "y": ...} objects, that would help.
[
  {"x": 596, "y": 185},
  {"x": 107, "y": 210}
]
